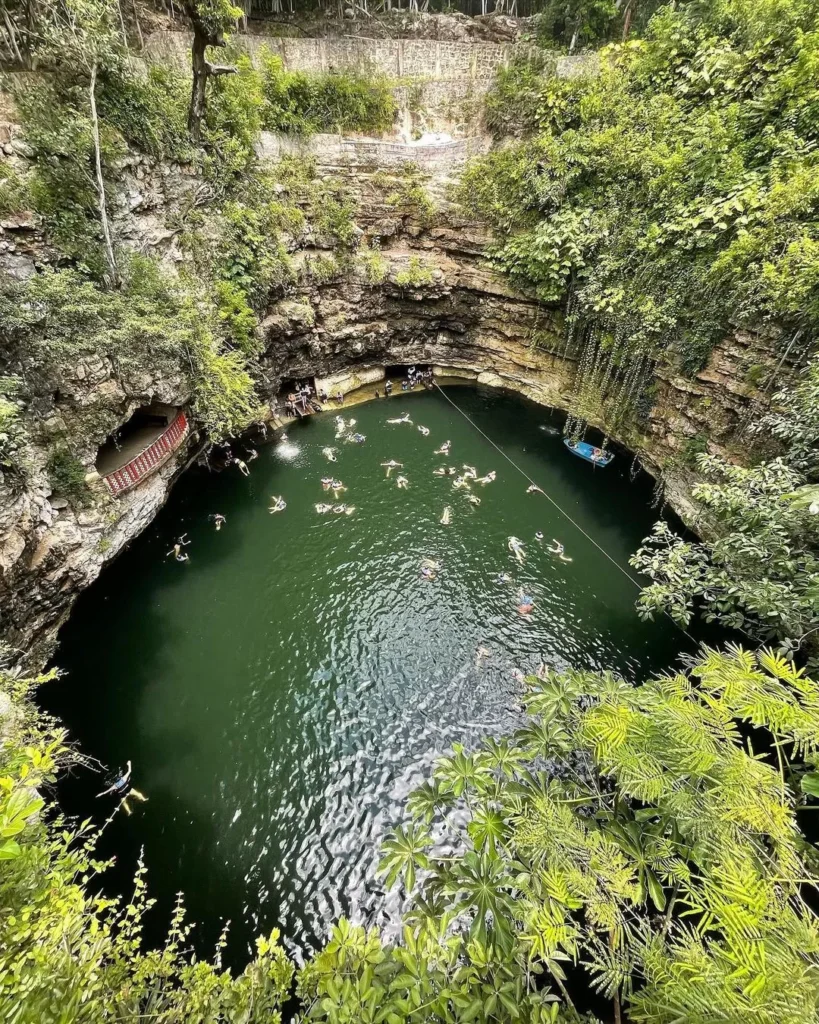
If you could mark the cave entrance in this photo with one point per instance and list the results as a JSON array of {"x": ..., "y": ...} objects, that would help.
[
  {"x": 400, "y": 371},
  {"x": 143, "y": 428},
  {"x": 299, "y": 396}
]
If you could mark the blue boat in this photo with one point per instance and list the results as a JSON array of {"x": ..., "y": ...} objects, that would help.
[{"x": 596, "y": 456}]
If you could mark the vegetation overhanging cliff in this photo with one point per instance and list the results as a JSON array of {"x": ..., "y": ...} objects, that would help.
[{"x": 654, "y": 274}]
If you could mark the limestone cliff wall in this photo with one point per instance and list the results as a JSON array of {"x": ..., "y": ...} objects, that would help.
[{"x": 464, "y": 318}]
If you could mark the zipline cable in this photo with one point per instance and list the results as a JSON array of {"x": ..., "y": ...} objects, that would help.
[{"x": 562, "y": 511}]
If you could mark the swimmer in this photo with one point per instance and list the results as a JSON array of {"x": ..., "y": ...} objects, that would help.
[
  {"x": 451, "y": 471},
  {"x": 424, "y": 430},
  {"x": 176, "y": 550},
  {"x": 343, "y": 510},
  {"x": 351, "y": 424},
  {"x": 121, "y": 787},
  {"x": 539, "y": 536},
  {"x": 401, "y": 419},
  {"x": 341, "y": 427},
  {"x": 470, "y": 473},
  {"x": 444, "y": 449},
  {"x": 242, "y": 467},
  {"x": 337, "y": 486},
  {"x": 279, "y": 504},
  {"x": 525, "y": 604},
  {"x": 503, "y": 577},
  {"x": 329, "y": 453},
  {"x": 402, "y": 482},
  {"x": 391, "y": 465},
  {"x": 282, "y": 437},
  {"x": 473, "y": 498},
  {"x": 252, "y": 454},
  {"x": 516, "y": 547},
  {"x": 429, "y": 568},
  {"x": 218, "y": 520},
  {"x": 459, "y": 483},
  {"x": 446, "y": 518},
  {"x": 481, "y": 653},
  {"x": 486, "y": 479},
  {"x": 323, "y": 508},
  {"x": 326, "y": 482},
  {"x": 357, "y": 438},
  {"x": 558, "y": 550},
  {"x": 440, "y": 471},
  {"x": 532, "y": 488}
]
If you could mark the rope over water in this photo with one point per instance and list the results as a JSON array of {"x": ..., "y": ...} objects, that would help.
[{"x": 562, "y": 511}]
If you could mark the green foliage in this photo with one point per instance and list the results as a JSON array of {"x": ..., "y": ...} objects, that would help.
[
  {"x": 794, "y": 420},
  {"x": 217, "y": 16},
  {"x": 675, "y": 190},
  {"x": 412, "y": 196},
  {"x": 627, "y": 829},
  {"x": 575, "y": 23},
  {"x": 300, "y": 103},
  {"x": 69, "y": 953},
  {"x": 149, "y": 111},
  {"x": 15, "y": 194},
  {"x": 758, "y": 573},
  {"x": 375, "y": 266},
  {"x": 233, "y": 121},
  {"x": 67, "y": 475},
  {"x": 415, "y": 275},
  {"x": 12, "y": 432}
]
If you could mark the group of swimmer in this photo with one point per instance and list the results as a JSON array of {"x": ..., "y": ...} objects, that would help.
[{"x": 329, "y": 483}]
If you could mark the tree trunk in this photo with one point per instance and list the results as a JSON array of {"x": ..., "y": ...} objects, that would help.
[
  {"x": 113, "y": 270},
  {"x": 199, "y": 64},
  {"x": 627, "y": 20}
]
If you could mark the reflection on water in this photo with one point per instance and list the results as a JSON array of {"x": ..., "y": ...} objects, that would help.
[{"x": 283, "y": 691}]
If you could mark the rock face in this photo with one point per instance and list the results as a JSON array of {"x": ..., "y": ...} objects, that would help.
[{"x": 427, "y": 295}]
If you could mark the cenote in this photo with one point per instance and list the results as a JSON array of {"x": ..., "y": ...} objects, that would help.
[{"x": 281, "y": 692}]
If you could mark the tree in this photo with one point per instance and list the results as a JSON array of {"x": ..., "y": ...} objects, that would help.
[
  {"x": 632, "y": 830},
  {"x": 760, "y": 571},
  {"x": 210, "y": 20}
]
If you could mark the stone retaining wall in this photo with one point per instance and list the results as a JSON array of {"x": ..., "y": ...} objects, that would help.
[
  {"x": 395, "y": 58},
  {"x": 337, "y": 151}
]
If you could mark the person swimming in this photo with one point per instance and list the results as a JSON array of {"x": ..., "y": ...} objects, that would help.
[
  {"x": 401, "y": 419},
  {"x": 336, "y": 486},
  {"x": 470, "y": 473},
  {"x": 440, "y": 471},
  {"x": 451, "y": 471},
  {"x": 486, "y": 479},
  {"x": 481, "y": 653},
  {"x": 444, "y": 449},
  {"x": 343, "y": 510},
  {"x": 121, "y": 787},
  {"x": 341, "y": 427},
  {"x": 446, "y": 518},
  {"x": 177, "y": 551},
  {"x": 516, "y": 547},
  {"x": 322, "y": 508},
  {"x": 218, "y": 520},
  {"x": 279, "y": 504},
  {"x": 503, "y": 577},
  {"x": 402, "y": 482},
  {"x": 525, "y": 604},
  {"x": 539, "y": 536},
  {"x": 252, "y": 454},
  {"x": 533, "y": 488},
  {"x": 242, "y": 467},
  {"x": 424, "y": 430},
  {"x": 357, "y": 438},
  {"x": 473, "y": 498},
  {"x": 459, "y": 483},
  {"x": 391, "y": 465},
  {"x": 558, "y": 550},
  {"x": 326, "y": 482},
  {"x": 329, "y": 453},
  {"x": 429, "y": 568}
]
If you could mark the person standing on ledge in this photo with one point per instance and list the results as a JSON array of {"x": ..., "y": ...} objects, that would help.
[{"x": 122, "y": 788}]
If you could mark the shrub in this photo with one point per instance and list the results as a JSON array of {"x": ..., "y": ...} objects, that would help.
[
  {"x": 415, "y": 275},
  {"x": 67, "y": 474}
]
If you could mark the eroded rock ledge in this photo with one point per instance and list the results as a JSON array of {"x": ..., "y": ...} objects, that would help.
[{"x": 462, "y": 316}]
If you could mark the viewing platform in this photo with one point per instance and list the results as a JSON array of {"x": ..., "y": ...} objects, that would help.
[{"x": 123, "y": 466}]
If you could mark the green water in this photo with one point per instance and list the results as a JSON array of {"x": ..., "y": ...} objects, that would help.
[{"x": 282, "y": 692}]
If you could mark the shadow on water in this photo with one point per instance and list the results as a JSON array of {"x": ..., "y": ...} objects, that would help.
[{"x": 282, "y": 692}]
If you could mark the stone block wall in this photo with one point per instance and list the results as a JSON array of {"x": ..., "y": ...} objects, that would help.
[{"x": 337, "y": 151}]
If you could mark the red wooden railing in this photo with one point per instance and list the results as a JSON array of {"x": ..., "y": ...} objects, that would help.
[{"x": 150, "y": 458}]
